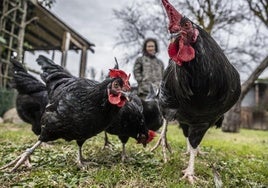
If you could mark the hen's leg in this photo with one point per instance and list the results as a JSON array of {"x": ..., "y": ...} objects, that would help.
[
  {"x": 81, "y": 160},
  {"x": 23, "y": 158},
  {"x": 163, "y": 141},
  {"x": 189, "y": 171},
  {"x": 107, "y": 143},
  {"x": 123, "y": 155}
]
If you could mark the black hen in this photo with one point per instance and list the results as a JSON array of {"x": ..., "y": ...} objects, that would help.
[
  {"x": 130, "y": 123},
  {"x": 151, "y": 110},
  {"x": 32, "y": 96},
  {"x": 78, "y": 108},
  {"x": 155, "y": 117},
  {"x": 199, "y": 82}
]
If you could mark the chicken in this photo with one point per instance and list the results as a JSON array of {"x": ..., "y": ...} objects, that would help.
[
  {"x": 32, "y": 96},
  {"x": 151, "y": 110},
  {"x": 78, "y": 108},
  {"x": 130, "y": 122},
  {"x": 199, "y": 83},
  {"x": 154, "y": 119}
]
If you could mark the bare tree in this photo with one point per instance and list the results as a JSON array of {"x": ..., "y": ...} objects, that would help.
[
  {"x": 213, "y": 16},
  {"x": 232, "y": 119},
  {"x": 92, "y": 73},
  {"x": 102, "y": 76},
  {"x": 224, "y": 20},
  {"x": 147, "y": 18},
  {"x": 139, "y": 21}
]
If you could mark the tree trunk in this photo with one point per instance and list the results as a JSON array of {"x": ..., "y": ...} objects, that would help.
[{"x": 232, "y": 119}]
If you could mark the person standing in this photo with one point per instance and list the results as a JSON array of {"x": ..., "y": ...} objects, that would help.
[{"x": 148, "y": 69}]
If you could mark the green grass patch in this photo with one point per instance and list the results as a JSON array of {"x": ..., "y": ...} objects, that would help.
[{"x": 241, "y": 159}]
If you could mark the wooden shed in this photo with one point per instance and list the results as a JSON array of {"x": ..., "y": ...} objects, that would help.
[
  {"x": 41, "y": 30},
  {"x": 25, "y": 25},
  {"x": 254, "y": 108}
]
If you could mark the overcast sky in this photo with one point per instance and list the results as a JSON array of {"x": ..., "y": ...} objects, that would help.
[{"x": 95, "y": 21}]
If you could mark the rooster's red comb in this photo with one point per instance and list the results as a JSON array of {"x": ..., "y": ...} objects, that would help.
[
  {"x": 116, "y": 73},
  {"x": 173, "y": 15}
]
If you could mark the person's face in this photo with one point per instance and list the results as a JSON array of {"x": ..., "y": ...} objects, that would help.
[{"x": 150, "y": 48}]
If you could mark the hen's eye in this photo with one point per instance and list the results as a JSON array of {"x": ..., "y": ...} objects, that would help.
[{"x": 116, "y": 85}]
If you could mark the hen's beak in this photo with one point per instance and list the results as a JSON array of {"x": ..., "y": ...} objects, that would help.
[
  {"x": 142, "y": 139},
  {"x": 126, "y": 94}
]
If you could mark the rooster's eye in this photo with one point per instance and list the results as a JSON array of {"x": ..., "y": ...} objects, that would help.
[{"x": 187, "y": 24}]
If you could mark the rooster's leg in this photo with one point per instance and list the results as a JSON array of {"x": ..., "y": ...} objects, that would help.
[
  {"x": 198, "y": 150},
  {"x": 188, "y": 146},
  {"x": 163, "y": 141},
  {"x": 23, "y": 158},
  {"x": 189, "y": 171}
]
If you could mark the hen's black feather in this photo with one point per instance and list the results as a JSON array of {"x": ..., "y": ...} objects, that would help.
[
  {"x": 151, "y": 110},
  {"x": 78, "y": 108},
  {"x": 130, "y": 122},
  {"x": 32, "y": 96}
]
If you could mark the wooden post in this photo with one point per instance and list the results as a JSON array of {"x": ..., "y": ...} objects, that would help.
[
  {"x": 83, "y": 62},
  {"x": 22, "y": 31},
  {"x": 65, "y": 47},
  {"x": 257, "y": 100}
]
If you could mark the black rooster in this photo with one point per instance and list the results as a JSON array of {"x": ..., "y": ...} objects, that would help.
[
  {"x": 32, "y": 96},
  {"x": 78, "y": 108},
  {"x": 130, "y": 122},
  {"x": 199, "y": 82}
]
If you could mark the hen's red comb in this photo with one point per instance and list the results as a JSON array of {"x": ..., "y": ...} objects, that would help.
[
  {"x": 173, "y": 15},
  {"x": 115, "y": 73}
]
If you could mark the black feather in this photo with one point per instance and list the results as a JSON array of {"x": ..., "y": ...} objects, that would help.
[
  {"x": 202, "y": 90},
  {"x": 78, "y": 108},
  {"x": 32, "y": 96},
  {"x": 129, "y": 121}
]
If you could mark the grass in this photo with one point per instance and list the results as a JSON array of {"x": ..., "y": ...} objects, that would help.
[{"x": 241, "y": 159}]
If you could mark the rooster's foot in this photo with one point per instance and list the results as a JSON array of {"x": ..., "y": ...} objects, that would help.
[{"x": 189, "y": 175}]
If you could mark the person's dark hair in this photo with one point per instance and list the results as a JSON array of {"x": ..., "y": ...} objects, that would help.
[{"x": 150, "y": 40}]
